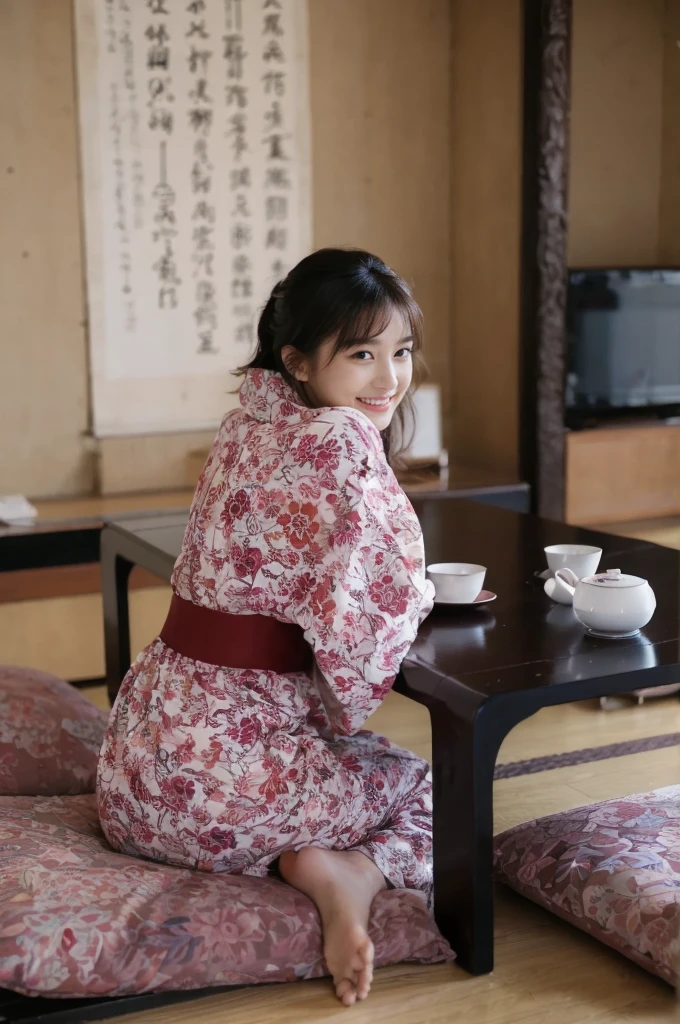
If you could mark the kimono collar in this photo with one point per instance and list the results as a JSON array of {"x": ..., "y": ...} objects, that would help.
[{"x": 266, "y": 396}]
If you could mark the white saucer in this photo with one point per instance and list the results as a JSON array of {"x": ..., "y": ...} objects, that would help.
[
  {"x": 484, "y": 597},
  {"x": 612, "y": 636}
]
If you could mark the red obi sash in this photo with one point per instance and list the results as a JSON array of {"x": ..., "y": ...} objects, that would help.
[{"x": 235, "y": 641}]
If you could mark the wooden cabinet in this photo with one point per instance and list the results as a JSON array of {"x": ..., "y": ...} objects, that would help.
[{"x": 620, "y": 473}]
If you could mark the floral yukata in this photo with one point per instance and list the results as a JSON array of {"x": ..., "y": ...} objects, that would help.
[{"x": 297, "y": 516}]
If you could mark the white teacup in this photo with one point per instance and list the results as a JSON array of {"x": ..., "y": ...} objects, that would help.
[
  {"x": 582, "y": 559},
  {"x": 457, "y": 582}
]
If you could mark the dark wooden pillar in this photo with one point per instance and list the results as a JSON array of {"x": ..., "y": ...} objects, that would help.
[{"x": 547, "y": 52}]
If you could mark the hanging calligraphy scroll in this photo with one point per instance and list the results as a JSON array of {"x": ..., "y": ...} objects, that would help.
[{"x": 194, "y": 127}]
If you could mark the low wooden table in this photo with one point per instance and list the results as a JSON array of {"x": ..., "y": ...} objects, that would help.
[{"x": 479, "y": 671}]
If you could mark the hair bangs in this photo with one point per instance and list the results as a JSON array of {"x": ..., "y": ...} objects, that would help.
[{"x": 372, "y": 313}]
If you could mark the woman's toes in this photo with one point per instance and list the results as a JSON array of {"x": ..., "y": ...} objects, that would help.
[{"x": 346, "y": 992}]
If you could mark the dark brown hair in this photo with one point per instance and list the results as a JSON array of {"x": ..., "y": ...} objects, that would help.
[{"x": 349, "y": 294}]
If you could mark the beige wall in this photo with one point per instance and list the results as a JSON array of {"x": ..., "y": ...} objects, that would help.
[
  {"x": 486, "y": 139},
  {"x": 616, "y": 123},
  {"x": 381, "y": 158},
  {"x": 43, "y": 378},
  {"x": 380, "y": 115}
]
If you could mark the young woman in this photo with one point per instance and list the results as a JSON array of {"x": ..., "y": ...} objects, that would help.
[{"x": 235, "y": 743}]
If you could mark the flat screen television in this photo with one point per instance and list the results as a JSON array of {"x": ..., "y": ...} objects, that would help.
[{"x": 623, "y": 337}]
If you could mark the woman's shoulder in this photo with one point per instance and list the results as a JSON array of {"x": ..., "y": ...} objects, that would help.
[{"x": 349, "y": 428}]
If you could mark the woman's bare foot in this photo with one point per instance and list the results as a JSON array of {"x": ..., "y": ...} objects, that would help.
[{"x": 342, "y": 884}]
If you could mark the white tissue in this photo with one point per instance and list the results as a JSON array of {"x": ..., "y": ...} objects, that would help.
[{"x": 16, "y": 510}]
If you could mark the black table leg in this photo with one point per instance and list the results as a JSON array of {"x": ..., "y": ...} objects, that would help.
[
  {"x": 463, "y": 759},
  {"x": 115, "y": 575}
]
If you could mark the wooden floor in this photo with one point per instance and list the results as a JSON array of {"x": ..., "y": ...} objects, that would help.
[
  {"x": 659, "y": 531},
  {"x": 546, "y": 971}
]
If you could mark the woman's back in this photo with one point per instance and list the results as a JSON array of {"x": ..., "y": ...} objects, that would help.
[{"x": 285, "y": 492}]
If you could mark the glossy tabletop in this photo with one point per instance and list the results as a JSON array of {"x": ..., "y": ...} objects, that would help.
[{"x": 524, "y": 641}]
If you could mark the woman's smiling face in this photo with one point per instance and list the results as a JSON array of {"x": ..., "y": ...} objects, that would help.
[{"x": 373, "y": 375}]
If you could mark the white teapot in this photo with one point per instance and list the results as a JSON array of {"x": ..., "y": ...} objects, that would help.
[{"x": 610, "y": 603}]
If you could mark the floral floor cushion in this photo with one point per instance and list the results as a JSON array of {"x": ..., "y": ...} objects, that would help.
[
  {"x": 50, "y": 735},
  {"x": 77, "y": 919},
  {"x": 612, "y": 869}
]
